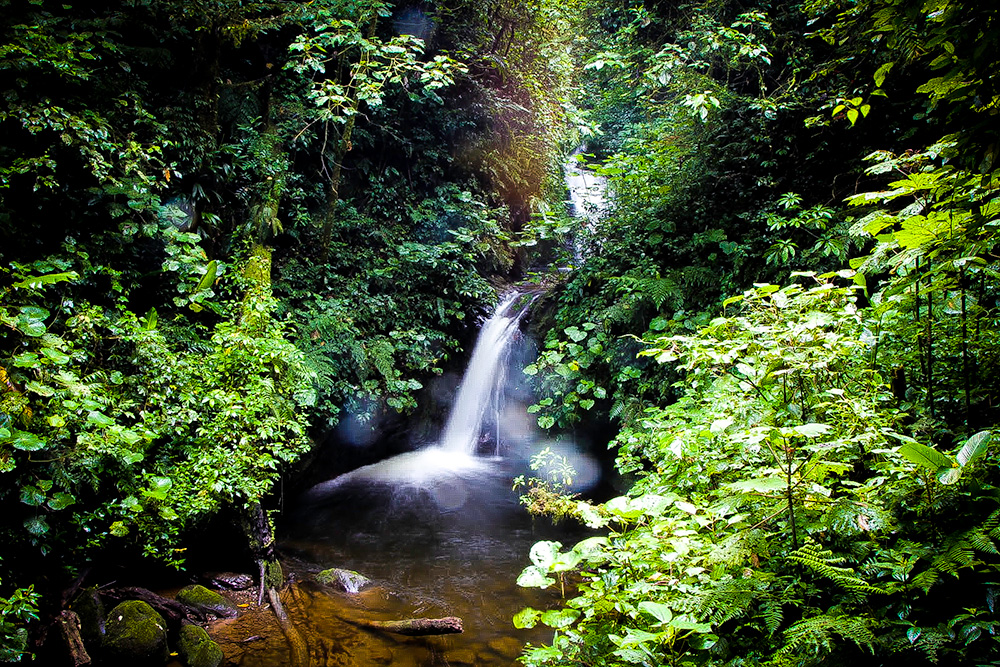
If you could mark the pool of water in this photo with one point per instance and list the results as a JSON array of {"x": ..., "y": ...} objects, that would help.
[{"x": 440, "y": 535}]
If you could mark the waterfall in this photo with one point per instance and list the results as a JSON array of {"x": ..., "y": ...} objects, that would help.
[
  {"x": 442, "y": 470},
  {"x": 586, "y": 200},
  {"x": 482, "y": 384}
]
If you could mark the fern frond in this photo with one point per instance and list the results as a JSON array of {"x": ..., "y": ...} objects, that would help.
[
  {"x": 816, "y": 634},
  {"x": 380, "y": 356},
  {"x": 825, "y": 563}
]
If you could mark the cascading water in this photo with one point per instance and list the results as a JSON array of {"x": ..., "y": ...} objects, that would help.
[
  {"x": 483, "y": 384},
  {"x": 435, "y": 467},
  {"x": 586, "y": 199}
]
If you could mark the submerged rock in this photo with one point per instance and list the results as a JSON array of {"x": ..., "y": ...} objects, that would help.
[
  {"x": 197, "y": 649},
  {"x": 207, "y": 601},
  {"x": 235, "y": 581},
  {"x": 135, "y": 634},
  {"x": 346, "y": 580}
]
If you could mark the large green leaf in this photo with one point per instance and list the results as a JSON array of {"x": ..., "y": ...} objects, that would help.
[
  {"x": 560, "y": 618},
  {"x": 661, "y": 612},
  {"x": 974, "y": 447},
  {"x": 925, "y": 456}
]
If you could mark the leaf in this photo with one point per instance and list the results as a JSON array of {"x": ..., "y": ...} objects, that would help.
[
  {"x": 575, "y": 334},
  {"x": 208, "y": 279},
  {"x": 949, "y": 475},
  {"x": 923, "y": 455},
  {"x": 526, "y": 618},
  {"x": 543, "y": 554},
  {"x": 61, "y": 500},
  {"x": 32, "y": 495},
  {"x": 99, "y": 418},
  {"x": 28, "y": 442},
  {"x": 658, "y": 610},
  {"x": 36, "y": 525},
  {"x": 159, "y": 486},
  {"x": 974, "y": 447},
  {"x": 560, "y": 618},
  {"x": 881, "y": 73},
  {"x": 533, "y": 577},
  {"x": 812, "y": 430},
  {"x": 758, "y": 485}
]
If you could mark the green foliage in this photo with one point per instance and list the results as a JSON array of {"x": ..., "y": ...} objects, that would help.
[
  {"x": 20, "y": 608},
  {"x": 776, "y": 515}
]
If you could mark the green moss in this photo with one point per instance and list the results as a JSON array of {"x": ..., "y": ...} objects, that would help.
[
  {"x": 135, "y": 635},
  {"x": 206, "y": 600},
  {"x": 197, "y": 649}
]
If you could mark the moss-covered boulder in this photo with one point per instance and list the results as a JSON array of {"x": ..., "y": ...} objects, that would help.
[
  {"x": 135, "y": 634},
  {"x": 90, "y": 609},
  {"x": 346, "y": 580},
  {"x": 207, "y": 601},
  {"x": 197, "y": 649}
]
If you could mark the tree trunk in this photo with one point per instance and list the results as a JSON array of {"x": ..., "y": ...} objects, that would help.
[
  {"x": 69, "y": 626},
  {"x": 257, "y": 529}
]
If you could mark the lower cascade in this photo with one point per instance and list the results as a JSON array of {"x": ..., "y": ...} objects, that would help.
[{"x": 476, "y": 424}]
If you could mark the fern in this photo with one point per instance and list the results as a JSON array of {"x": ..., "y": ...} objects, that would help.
[
  {"x": 816, "y": 634},
  {"x": 824, "y": 563},
  {"x": 380, "y": 356},
  {"x": 729, "y": 599}
]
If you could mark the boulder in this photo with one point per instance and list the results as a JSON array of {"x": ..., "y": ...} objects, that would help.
[
  {"x": 346, "y": 580},
  {"x": 207, "y": 601},
  {"x": 197, "y": 649},
  {"x": 135, "y": 635}
]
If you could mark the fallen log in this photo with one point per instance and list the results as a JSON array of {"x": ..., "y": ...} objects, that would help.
[
  {"x": 415, "y": 627},
  {"x": 174, "y": 613}
]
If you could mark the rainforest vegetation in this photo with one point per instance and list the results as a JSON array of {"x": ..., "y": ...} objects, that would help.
[{"x": 229, "y": 225}]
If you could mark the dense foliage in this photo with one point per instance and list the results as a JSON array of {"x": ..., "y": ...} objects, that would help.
[
  {"x": 814, "y": 480},
  {"x": 227, "y": 224}
]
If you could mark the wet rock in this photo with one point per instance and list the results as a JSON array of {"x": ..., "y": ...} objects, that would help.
[
  {"x": 346, "y": 580},
  {"x": 197, "y": 649},
  {"x": 89, "y": 607},
  {"x": 233, "y": 581},
  {"x": 506, "y": 647},
  {"x": 207, "y": 601},
  {"x": 460, "y": 656},
  {"x": 135, "y": 635}
]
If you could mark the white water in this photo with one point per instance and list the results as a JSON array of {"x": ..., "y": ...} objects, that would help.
[
  {"x": 446, "y": 469},
  {"x": 586, "y": 191},
  {"x": 482, "y": 384}
]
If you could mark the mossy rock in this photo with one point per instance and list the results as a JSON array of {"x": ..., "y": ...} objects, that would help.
[
  {"x": 207, "y": 601},
  {"x": 89, "y": 607},
  {"x": 135, "y": 634},
  {"x": 197, "y": 649},
  {"x": 346, "y": 580}
]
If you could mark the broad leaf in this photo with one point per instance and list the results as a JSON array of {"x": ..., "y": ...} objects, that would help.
[
  {"x": 560, "y": 618},
  {"x": 974, "y": 447},
  {"x": 658, "y": 610},
  {"x": 925, "y": 456}
]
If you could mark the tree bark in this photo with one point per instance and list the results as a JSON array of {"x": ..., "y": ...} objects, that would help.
[
  {"x": 257, "y": 529},
  {"x": 415, "y": 627},
  {"x": 69, "y": 626}
]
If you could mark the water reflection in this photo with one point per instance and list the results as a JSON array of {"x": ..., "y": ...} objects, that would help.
[{"x": 437, "y": 542}]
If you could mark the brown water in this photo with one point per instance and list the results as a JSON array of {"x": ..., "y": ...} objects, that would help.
[{"x": 436, "y": 543}]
